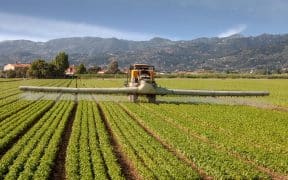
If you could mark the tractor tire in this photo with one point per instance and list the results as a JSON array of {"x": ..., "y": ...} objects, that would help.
[
  {"x": 133, "y": 98},
  {"x": 151, "y": 98}
]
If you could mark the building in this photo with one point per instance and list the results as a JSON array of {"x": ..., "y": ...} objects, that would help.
[
  {"x": 16, "y": 66},
  {"x": 71, "y": 70},
  {"x": 101, "y": 72}
]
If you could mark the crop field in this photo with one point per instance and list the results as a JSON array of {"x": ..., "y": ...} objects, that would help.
[{"x": 55, "y": 136}]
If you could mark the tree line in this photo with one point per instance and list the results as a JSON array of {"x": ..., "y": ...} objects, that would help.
[{"x": 56, "y": 68}]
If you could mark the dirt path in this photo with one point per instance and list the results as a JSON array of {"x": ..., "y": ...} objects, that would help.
[
  {"x": 127, "y": 168},
  {"x": 58, "y": 171}
]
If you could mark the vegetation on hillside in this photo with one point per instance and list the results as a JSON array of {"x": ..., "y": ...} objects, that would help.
[{"x": 264, "y": 53}]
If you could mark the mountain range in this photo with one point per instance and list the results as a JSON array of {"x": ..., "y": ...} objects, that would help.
[{"x": 235, "y": 53}]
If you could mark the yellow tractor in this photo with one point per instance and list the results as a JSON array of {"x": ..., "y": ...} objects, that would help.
[
  {"x": 142, "y": 74},
  {"x": 141, "y": 82}
]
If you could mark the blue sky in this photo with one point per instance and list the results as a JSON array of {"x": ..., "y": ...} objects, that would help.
[{"x": 140, "y": 19}]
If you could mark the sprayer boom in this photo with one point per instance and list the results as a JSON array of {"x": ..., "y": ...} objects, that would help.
[
  {"x": 79, "y": 90},
  {"x": 145, "y": 88},
  {"x": 142, "y": 83},
  {"x": 142, "y": 90}
]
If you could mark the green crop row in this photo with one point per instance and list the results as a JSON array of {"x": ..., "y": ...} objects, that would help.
[
  {"x": 254, "y": 134},
  {"x": 33, "y": 155},
  {"x": 18, "y": 123},
  {"x": 13, "y": 108},
  {"x": 9, "y": 89},
  {"x": 9, "y": 79},
  {"x": 9, "y": 92},
  {"x": 215, "y": 162},
  {"x": 12, "y": 121},
  {"x": 8, "y": 86},
  {"x": 148, "y": 156},
  {"x": 101, "y": 83},
  {"x": 276, "y": 87},
  {"x": 89, "y": 153},
  {"x": 8, "y": 100},
  {"x": 47, "y": 160}
]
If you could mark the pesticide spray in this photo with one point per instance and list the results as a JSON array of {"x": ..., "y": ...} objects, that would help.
[{"x": 140, "y": 83}]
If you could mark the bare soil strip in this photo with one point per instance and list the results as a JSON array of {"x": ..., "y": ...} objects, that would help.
[
  {"x": 100, "y": 151},
  {"x": 68, "y": 85},
  {"x": 58, "y": 170},
  {"x": 268, "y": 171},
  {"x": 167, "y": 146},
  {"x": 127, "y": 168}
]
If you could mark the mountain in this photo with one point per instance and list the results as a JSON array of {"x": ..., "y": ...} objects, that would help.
[{"x": 221, "y": 54}]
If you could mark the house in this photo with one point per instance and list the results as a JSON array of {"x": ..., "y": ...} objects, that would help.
[
  {"x": 101, "y": 72},
  {"x": 16, "y": 66},
  {"x": 71, "y": 70}
]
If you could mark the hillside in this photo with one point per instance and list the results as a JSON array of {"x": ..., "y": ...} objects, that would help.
[{"x": 231, "y": 53}]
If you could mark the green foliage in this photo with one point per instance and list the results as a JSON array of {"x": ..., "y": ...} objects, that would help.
[
  {"x": 147, "y": 155},
  {"x": 81, "y": 69},
  {"x": 212, "y": 160},
  {"x": 94, "y": 70},
  {"x": 61, "y": 63},
  {"x": 113, "y": 66},
  {"x": 234, "y": 129},
  {"x": 89, "y": 153},
  {"x": 17, "y": 73},
  {"x": 14, "y": 125},
  {"x": 33, "y": 155},
  {"x": 238, "y": 53},
  {"x": 10, "y": 74},
  {"x": 228, "y": 142},
  {"x": 39, "y": 69}
]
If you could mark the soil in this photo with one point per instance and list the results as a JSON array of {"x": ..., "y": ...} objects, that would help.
[
  {"x": 58, "y": 171},
  {"x": 127, "y": 168}
]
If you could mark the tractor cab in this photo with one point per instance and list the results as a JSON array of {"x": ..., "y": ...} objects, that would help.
[
  {"x": 140, "y": 72},
  {"x": 142, "y": 76}
]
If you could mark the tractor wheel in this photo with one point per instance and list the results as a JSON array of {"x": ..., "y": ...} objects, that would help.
[
  {"x": 151, "y": 98},
  {"x": 133, "y": 97}
]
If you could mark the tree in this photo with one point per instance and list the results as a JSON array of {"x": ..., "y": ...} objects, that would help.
[
  {"x": 61, "y": 63},
  {"x": 113, "y": 66},
  {"x": 94, "y": 70},
  {"x": 39, "y": 69},
  {"x": 81, "y": 69},
  {"x": 52, "y": 70},
  {"x": 10, "y": 74},
  {"x": 17, "y": 73},
  {"x": 21, "y": 72}
]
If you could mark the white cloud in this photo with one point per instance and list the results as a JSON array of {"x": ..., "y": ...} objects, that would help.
[
  {"x": 234, "y": 30},
  {"x": 39, "y": 29}
]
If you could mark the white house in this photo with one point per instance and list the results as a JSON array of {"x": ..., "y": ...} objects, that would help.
[
  {"x": 71, "y": 70},
  {"x": 8, "y": 67}
]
